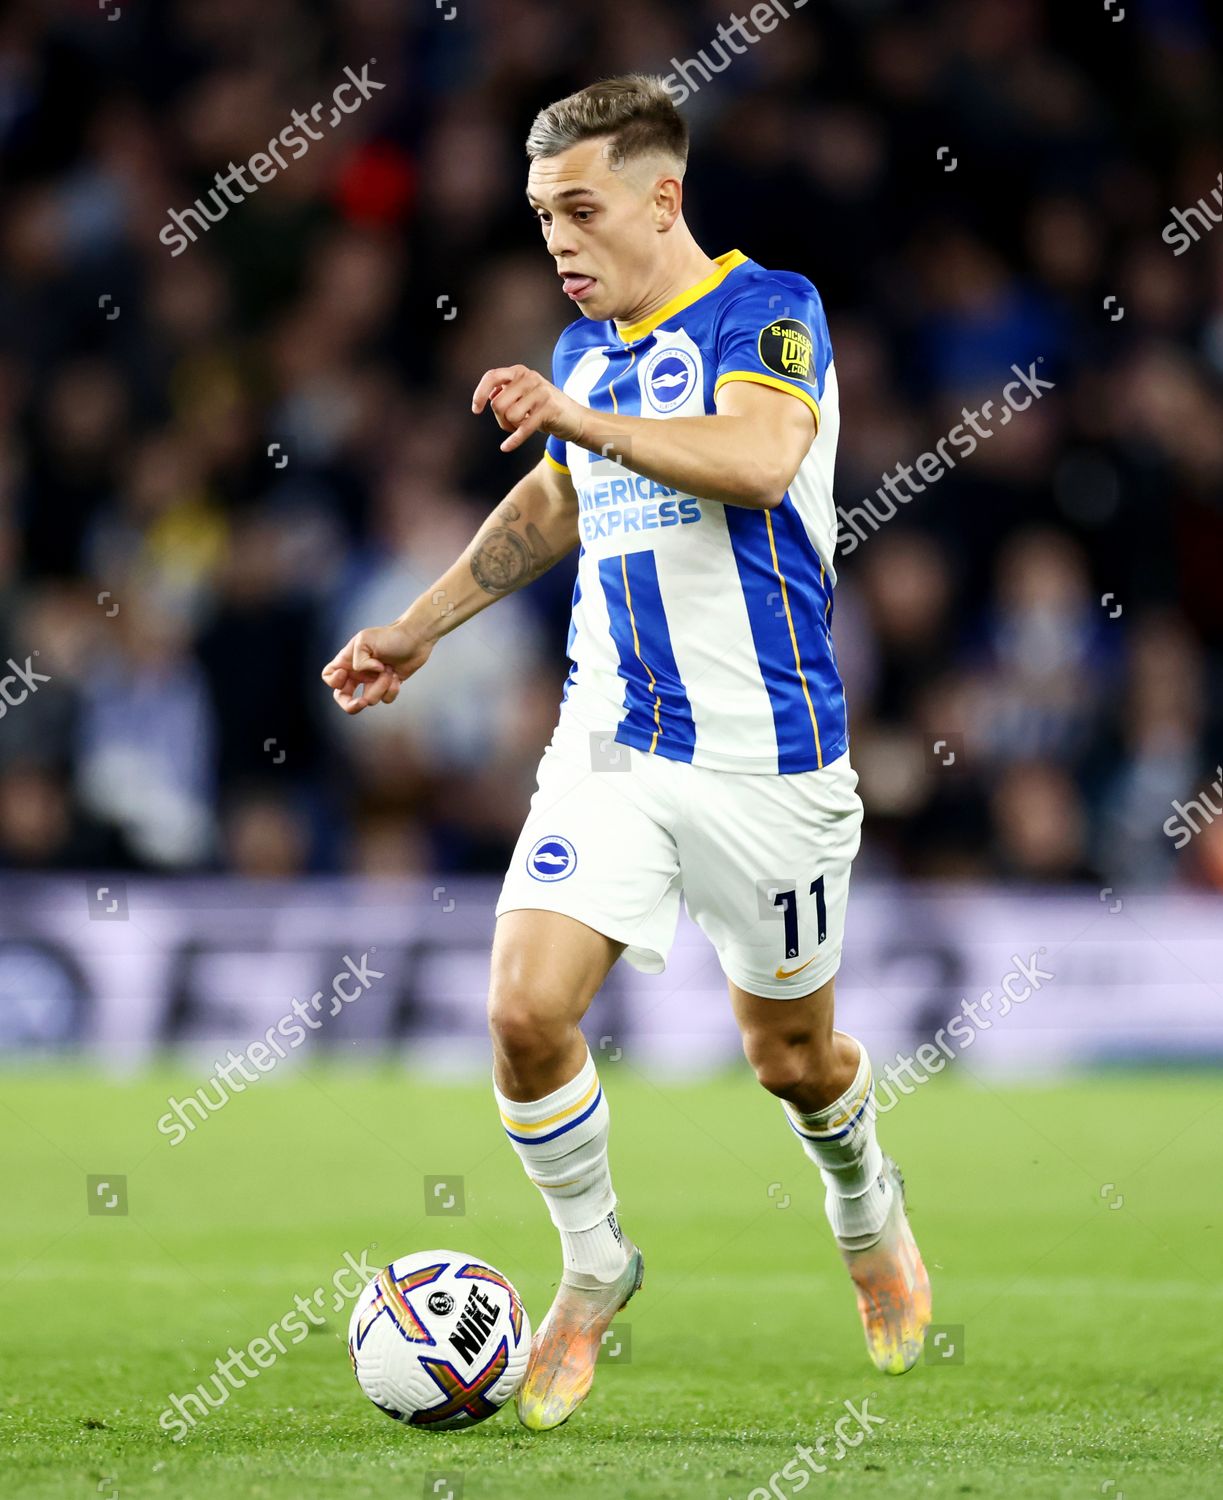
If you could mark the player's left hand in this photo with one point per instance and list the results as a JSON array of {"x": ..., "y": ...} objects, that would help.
[{"x": 523, "y": 402}]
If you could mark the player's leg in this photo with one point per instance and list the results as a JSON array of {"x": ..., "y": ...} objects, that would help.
[
  {"x": 766, "y": 875},
  {"x": 823, "y": 1078},
  {"x": 595, "y": 875},
  {"x": 546, "y": 969}
]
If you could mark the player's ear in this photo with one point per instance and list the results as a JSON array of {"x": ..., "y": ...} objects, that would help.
[{"x": 668, "y": 201}]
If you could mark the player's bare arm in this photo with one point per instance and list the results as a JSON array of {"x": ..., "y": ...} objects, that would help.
[
  {"x": 533, "y": 528},
  {"x": 748, "y": 454}
]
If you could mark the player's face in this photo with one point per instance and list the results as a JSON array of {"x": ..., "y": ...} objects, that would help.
[{"x": 600, "y": 219}]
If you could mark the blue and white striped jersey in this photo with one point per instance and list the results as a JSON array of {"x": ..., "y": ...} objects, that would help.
[{"x": 701, "y": 631}]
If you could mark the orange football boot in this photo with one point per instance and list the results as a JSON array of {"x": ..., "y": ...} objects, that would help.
[
  {"x": 561, "y": 1368},
  {"x": 893, "y": 1287}
]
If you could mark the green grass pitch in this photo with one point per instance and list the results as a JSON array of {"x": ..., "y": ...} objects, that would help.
[{"x": 1087, "y": 1335}]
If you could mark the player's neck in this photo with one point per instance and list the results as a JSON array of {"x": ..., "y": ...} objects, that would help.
[{"x": 685, "y": 267}]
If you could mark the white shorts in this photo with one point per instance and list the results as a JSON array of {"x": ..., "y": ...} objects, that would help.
[{"x": 614, "y": 836}]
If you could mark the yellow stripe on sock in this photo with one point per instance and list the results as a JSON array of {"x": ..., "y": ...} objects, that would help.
[
  {"x": 847, "y": 1114},
  {"x": 561, "y": 1114}
]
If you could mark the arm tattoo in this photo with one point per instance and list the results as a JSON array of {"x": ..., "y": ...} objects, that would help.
[{"x": 507, "y": 558}]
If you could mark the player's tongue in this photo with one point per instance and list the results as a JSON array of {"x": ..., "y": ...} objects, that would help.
[{"x": 577, "y": 286}]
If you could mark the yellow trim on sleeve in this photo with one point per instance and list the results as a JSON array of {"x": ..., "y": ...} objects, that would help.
[
  {"x": 754, "y": 377},
  {"x": 631, "y": 332},
  {"x": 563, "y": 468}
]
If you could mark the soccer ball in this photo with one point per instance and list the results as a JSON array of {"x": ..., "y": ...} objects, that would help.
[{"x": 439, "y": 1340}]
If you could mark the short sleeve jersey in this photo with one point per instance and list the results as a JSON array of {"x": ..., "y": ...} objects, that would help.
[{"x": 702, "y": 631}]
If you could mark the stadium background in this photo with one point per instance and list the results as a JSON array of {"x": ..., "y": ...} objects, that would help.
[{"x": 134, "y": 435}]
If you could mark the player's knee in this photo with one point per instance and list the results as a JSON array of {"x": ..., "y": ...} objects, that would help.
[
  {"x": 781, "y": 1073},
  {"x": 526, "y": 1025},
  {"x": 795, "y": 1071}
]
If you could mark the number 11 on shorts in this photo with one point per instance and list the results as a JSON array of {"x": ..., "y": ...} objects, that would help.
[{"x": 788, "y": 901}]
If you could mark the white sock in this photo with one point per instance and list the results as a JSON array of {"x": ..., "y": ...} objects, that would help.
[
  {"x": 597, "y": 1252},
  {"x": 562, "y": 1141},
  {"x": 840, "y": 1139}
]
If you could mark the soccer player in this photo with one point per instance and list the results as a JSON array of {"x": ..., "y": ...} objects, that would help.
[{"x": 701, "y": 748}]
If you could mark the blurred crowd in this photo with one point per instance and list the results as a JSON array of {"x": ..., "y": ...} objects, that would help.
[{"x": 215, "y": 465}]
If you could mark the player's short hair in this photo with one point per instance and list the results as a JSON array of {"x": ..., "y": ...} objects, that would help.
[{"x": 635, "y": 110}]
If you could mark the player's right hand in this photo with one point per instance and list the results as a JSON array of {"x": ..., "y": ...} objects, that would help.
[{"x": 379, "y": 661}]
